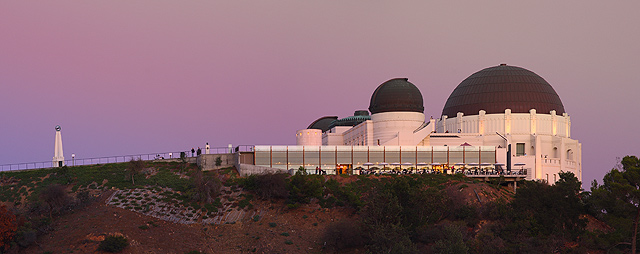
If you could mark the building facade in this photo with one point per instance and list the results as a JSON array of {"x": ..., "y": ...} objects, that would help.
[{"x": 505, "y": 107}]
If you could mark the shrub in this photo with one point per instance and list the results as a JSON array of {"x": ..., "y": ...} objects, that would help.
[
  {"x": 8, "y": 226},
  {"x": 56, "y": 197},
  {"x": 207, "y": 187},
  {"x": 267, "y": 186},
  {"x": 244, "y": 203},
  {"x": 304, "y": 187},
  {"x": 343, "y": 235},
  {"x": 451, "y": 242},
  {"x": 113, "y": 244},
  {"x": 284, "y": 234},
  {"x": 288, "y": 242},
  {"x": 272, "y": 224},
  {"x": 256, "y": 218}
]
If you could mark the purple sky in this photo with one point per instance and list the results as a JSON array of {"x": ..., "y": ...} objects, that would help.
[{"x": 129, "y": 77}]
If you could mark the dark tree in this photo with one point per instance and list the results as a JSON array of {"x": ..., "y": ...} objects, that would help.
[
  {"x": 551, "y": 209},
  {"x": 207, "y": 187},
  {"x": 56, "y": 197},
  {"x": 136, "y": 166},
  {"x": 617, "y": 200}
]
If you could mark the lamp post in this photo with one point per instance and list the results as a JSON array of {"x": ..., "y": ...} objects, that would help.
[
  {"x": 73, "y": 159},
  {"x": 508, "y": 151}
]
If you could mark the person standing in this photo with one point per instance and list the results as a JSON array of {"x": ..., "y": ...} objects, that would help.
[
  {"x": 206, "y": 148},
  {"x": 192, "y": 151},
  {"x": 199, "y": 151}
]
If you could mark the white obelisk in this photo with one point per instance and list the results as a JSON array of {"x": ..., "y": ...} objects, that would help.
[{"x": 58, "y": 156}]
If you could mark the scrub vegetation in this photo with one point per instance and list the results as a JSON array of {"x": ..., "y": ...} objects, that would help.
[{"x": 430, "y": 213}]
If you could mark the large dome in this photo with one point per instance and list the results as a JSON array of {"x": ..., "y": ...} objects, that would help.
[
  {"x": 397, "y": 94},
  {"x": 497, "y": 88}
]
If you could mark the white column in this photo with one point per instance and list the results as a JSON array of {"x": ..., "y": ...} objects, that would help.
[
  {"x": 539, "y": 159},
  {"x": 444, "y": 123},
  {"x": 432, "y": 122},
  {"x": 459, "y": 122},
  {"x": 507, "y": 121},
  {"x": 533, "y": 118},
  {"x": 567, "y": 125},
  {"x": 554, "y": 126},
  {"x": 481, "y": 121}
]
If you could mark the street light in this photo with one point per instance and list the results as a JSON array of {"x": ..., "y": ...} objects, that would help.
[
  {"x": 73, "y": 158},
  {"x": 508, "y": 151}
]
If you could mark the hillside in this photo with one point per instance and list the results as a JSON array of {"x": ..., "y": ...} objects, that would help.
[{"x": 165, "y": 212}]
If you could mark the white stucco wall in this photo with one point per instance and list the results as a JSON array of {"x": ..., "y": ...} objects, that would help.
[
  {"x": 396, "y": 128},
  {"x": 309, "y": 137},
  {"x": 548, "y": 147}
]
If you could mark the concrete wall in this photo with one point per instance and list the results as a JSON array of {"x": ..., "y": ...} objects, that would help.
[
  {"x": 208, "y": 161},
  {"x": 248, "y": 169}
]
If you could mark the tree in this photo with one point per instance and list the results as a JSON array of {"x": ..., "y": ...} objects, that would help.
[
  {"x": 207, "y": 187},
  {"x": 617, "y": 200},
  {"x": 136, "y": 166},
  {"x": 56, "y": 197},
  {"x": 8, "y": 227},
  {"x": 550, "y": 210}
]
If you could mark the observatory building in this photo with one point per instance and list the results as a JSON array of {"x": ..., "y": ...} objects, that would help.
[{"x": 499, "y": 117}]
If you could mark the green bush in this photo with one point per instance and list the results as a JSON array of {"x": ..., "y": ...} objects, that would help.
[
  {"x": 266, "y": 186},
  {"x": 273, "y": 224},
  {"x": 113, "y": 244},
  {"x": 304, "y": 187}
]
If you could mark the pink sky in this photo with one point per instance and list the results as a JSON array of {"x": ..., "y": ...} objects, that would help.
[{"x": 129, "y": 77}]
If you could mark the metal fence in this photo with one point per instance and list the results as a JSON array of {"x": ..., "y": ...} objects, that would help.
[{"x": 120, "y": 158}]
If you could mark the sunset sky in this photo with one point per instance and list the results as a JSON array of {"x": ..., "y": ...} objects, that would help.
[{"x": 131, "y": 77}]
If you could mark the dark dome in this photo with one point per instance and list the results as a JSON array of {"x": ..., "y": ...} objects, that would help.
[
  {"x": 397, "y": 94},
  {"x": 322, "y": 123},
  {"x": 495, "y": 89}
]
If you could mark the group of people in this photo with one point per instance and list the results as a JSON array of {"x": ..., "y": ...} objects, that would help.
[
  {"x": 320, "y": 171},
  {"x": 199, "y": 151}
]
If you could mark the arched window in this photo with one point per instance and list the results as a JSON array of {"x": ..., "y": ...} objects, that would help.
[{"x": 569, "y": 154}]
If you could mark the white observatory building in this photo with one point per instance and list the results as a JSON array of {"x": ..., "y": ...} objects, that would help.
[{"x": 502, "y": 106}]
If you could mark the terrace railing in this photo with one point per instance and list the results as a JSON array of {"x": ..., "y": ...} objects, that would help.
[{"x": 120, "y": 158}]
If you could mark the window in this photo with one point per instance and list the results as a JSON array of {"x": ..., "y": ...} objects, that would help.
[{"x": 519, "y": 149}]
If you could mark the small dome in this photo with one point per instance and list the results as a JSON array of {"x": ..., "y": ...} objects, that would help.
[
  {"x": 497, "y": 88},
  {"x": 358, "y": 117},
  {"x": 322, "y": 123},
  {"x": 396, "y": 95}
]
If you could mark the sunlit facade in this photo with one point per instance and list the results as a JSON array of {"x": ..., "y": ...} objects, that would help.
[{"x": 493, "y": 108}]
